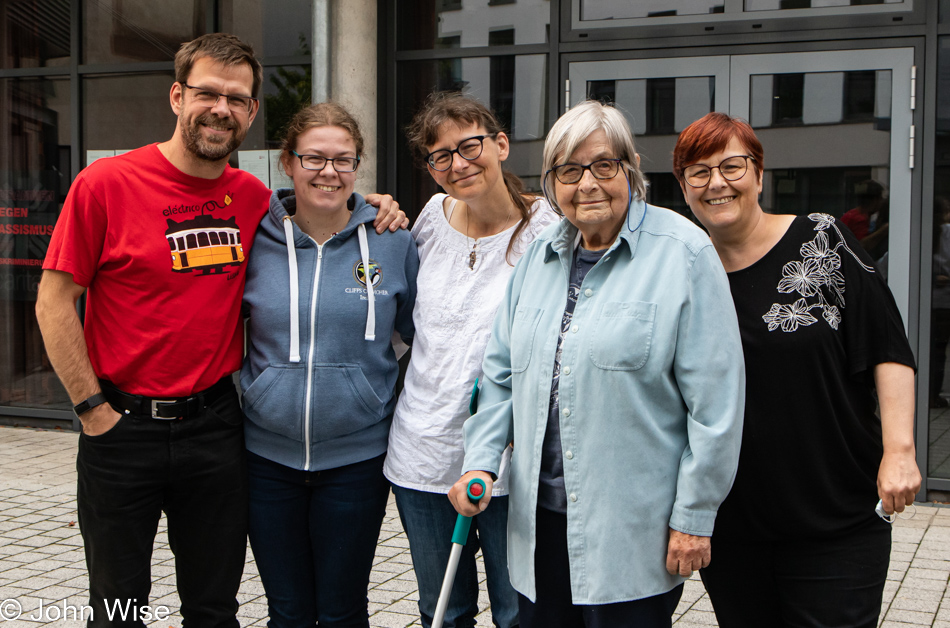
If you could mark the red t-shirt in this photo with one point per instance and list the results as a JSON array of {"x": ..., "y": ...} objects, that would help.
[
  {"x": 858, "y": 222},
  {"x": 163, "y": 256}
]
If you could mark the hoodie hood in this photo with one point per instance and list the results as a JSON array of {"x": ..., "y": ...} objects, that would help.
[{"x": 283, "y": 205}]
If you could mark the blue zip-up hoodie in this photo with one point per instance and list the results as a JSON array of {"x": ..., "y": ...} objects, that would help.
[{"x": 320, "y": 369}]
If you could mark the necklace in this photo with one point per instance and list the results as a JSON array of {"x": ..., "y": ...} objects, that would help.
[{"x": 473, "y": 254}]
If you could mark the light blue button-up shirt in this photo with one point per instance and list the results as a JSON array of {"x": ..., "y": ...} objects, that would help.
[{"x": 652, "y": 391}]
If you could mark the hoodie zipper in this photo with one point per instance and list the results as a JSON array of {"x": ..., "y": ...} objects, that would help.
[{"x": 310, "y": 351}]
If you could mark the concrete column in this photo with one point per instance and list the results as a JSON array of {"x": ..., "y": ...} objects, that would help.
[{"x": 353, "y": 75}]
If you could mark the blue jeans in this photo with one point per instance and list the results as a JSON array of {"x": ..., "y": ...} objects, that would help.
[
  {"x": 429, "y": 520},
  {"x": 314, "y": 537}
]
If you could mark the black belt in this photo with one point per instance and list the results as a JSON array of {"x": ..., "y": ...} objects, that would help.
[{"x": 167, "y": 409}]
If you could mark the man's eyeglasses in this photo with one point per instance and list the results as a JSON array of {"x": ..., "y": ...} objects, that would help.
[
  {"x": 569, "y": 174},
  {"x": 468, "y": 149},
  {"x": 208, "y": 98},
  {"x": 731, "y": 169},
  {"x": 318, "y": 162}
]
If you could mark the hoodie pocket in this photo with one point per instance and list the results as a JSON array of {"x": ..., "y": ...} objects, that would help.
[
  {"x": 342, "y": 402},
  {"x": 274, "y": 401}
]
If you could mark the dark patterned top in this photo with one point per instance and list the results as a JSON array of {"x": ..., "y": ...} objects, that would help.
[{"x": 815, "y": 319}]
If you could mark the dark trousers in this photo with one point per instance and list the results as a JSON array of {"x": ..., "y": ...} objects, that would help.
[
  {"x": 193, "y": 470},
  {"x": 835, "y": 583},
  {"x": 554, "y": 608},
  {"x": 314, "y": 534}
]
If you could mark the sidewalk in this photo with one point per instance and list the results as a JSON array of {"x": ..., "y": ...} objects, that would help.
[{"x": 41, "y": 557}]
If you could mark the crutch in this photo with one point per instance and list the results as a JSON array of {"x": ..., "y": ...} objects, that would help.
[{"x": 476, "y": 490}]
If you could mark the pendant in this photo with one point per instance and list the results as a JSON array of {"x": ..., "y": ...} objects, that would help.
[{"x": 471, "y": 259}]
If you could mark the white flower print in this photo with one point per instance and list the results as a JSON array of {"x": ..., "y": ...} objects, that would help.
[
  {"x": 789, "y": 317},
  {"x": 832, "y": 315},
  {"x": 824, "y": 221},
  {"x": 803, "y": 277},
  {"x": 819, "y": 269}
]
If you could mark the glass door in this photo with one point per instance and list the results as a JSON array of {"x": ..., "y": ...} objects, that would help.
[
  {"x": 659, "y": 97},
  {"x": 835, "y": 127}
]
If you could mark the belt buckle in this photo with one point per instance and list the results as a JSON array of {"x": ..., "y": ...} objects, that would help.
[{"x": 155, "y": 406}]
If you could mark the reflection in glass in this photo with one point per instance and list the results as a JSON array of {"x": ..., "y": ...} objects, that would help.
[
  {"x": 118, "y": 31},
  {"x": 34, "y": 34},
  {"x": 827, "y": 137},
  {"x": 34, "y": 178},
  {"x": 617, "y": 9},
  {"x": 514, "y": 87},
  {"x": 274, "y": 28},
  {"x": 772, "y": 5},
  {"x": 286, "y": 90},
  {"x": 441, "y": 24},
  {"x": 658, "y": 109},
  {"x": 122, "y": 112},
  {"x": 813, "y": 98},
  {"x": 939, "y": 452}
]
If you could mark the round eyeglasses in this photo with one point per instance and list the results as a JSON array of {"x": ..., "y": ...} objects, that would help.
[
  {"x": 208, "y": 98},
  {"x": 468, "y": 149},
  {"x": 569, "y": 174},
  {"x": 731, "y": 169},
  {"x": 318, "y": 162}
]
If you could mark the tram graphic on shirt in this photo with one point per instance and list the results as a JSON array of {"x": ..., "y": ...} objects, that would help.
[{"x": 204, "y": 245}]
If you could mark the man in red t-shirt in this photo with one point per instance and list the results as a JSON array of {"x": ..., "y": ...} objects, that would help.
[{"x": 159, "y": 236}]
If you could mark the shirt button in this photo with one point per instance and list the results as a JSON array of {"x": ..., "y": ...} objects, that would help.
[
  {"x": 573, "y": 497},
  {"x": 588, "y": 292},
  {"x": 575, "y": 329},
  {"x": 569, "y": 454},
  {"x": 567, "y": 412},
  {"x": 567, "y": 370}
]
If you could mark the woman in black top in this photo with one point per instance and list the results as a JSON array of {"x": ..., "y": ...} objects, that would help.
[{"x": 798, "y": 542}]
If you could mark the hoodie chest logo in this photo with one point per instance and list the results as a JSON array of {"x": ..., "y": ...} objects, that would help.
[{"x": 375, "y": 273}]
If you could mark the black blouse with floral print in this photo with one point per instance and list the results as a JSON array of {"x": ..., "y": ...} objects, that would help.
[{"x": 815, "y": 318}]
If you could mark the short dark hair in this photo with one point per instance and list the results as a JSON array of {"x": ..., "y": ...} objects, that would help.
[{"x": 221, "y": 47}]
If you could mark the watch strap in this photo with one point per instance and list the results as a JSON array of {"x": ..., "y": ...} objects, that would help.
[{"x": 88, "y": 404}]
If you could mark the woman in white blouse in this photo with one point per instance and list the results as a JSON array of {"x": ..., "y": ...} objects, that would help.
[{"x": 468, "y": 241}]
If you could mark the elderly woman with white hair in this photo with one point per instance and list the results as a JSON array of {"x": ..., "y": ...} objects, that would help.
[{"x": 615, "y": 367}]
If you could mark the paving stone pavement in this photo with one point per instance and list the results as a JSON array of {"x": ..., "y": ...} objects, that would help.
[{"x": 41, "y": 556}]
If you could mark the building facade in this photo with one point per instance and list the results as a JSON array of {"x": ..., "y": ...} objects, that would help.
[{"x": 851, "y": 99}]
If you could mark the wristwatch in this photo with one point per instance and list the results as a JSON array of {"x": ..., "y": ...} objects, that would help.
[{"x": 85, "y": 406}]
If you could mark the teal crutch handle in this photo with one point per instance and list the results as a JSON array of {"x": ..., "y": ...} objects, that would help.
[{"x": 476, "y": 490}]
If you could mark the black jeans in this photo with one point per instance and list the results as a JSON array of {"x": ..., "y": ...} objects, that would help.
[
  {"x": 786, "y": 583},
  {"x": 193, "y": 469},
  {"x": 554, "y": 608}
]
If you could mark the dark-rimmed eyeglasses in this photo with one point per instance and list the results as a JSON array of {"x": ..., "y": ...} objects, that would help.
[
  {"x": 569, "y": 174},
  {"x": 468, "y": 149},
  {"x": 731, "y": 169},
  {"x": 319, "y": 162},
  {"x": 208, "y": 98}
]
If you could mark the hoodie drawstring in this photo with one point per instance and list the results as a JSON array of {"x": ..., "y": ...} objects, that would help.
[
  {"x": 370, "y": 333},
  {"x": 370, "y": 290},
  {"x": 294, "y": 291}
]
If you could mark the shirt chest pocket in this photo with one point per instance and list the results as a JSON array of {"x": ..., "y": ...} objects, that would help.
[
  {"x": 523, "y": 329},
  {"x": 622, "y": 337}
]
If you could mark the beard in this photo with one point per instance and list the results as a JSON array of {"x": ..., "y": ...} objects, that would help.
[{"x": 214, "y": 148}]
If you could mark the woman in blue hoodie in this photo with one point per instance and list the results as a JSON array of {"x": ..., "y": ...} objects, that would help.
[{"x": 324, "y": 296}]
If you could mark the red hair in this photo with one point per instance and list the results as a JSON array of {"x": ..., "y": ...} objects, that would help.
[{"x": 709, "y": 135}]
